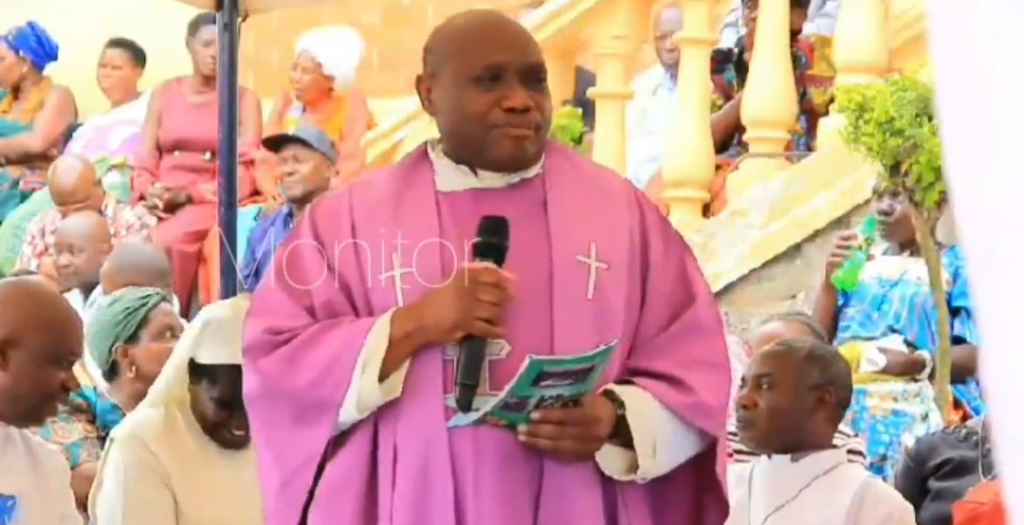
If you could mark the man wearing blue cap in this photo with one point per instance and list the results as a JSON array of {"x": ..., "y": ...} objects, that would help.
[{"x": 307, "y": 159}]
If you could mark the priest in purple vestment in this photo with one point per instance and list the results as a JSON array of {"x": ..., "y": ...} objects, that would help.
[{"x": 351, "y": 340}]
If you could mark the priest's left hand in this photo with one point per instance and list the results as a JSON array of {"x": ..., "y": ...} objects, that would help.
[{"x": 573, "y": 434}]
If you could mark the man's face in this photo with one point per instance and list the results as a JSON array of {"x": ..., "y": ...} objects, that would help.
[
  {"x": 78, "y": 259},
  {"x": 668, "y": 22},
  {"x": 38, "y": 373},
  {"x": 774, "y": 402},
  {"x": 491, "y": 100},
  {"x": 117, "y": 74},
  {"x": 305, "y": 173}
]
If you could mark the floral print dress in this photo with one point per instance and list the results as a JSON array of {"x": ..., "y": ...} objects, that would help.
[
  {"x": 81, "y": 426},
  {"x": 894, "y": 299}
]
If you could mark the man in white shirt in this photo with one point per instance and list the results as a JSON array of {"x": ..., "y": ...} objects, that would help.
[
  {"x": 821, "y": 20},
  {"x": 41, "y": 341},
  {"x": 651, "y": 112},
  {"x": 81, "y": 244},
  {"x": 791, "y": 400}
]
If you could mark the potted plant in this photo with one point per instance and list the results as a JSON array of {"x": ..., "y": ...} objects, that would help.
[{"x": 893, "y": 124}]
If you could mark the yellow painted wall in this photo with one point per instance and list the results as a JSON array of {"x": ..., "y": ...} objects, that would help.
[{"x": 82, "y": 26}]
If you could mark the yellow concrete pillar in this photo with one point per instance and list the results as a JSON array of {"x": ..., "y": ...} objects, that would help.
[
  {"x": 769, "y": 109},
  {"x": 689, "y": 162},
  {"x": 614, "y": 54},
  {"x": 561, "y": 74},
  {"x": 860, "y": 50}
]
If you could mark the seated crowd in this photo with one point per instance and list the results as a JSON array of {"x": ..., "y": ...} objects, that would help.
[
  {"x": 119, "y": 214},
  {"x": 148, "y": 165}
]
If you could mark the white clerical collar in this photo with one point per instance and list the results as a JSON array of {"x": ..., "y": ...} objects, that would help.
[
  {"x": 451, "y": 177},
  {"x": 819, "y": 456}
]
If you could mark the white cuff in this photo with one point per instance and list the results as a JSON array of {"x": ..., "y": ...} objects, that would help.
[
  {"x": 661, "y": 441},
  {"x": 366, "y": 393},
  {"x": 929, "y": 363}
]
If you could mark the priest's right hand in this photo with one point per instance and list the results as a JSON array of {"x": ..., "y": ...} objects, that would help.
[{"x": 471, "y": 303}]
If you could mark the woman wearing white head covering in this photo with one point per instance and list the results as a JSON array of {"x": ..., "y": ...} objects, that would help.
[
  {"x": 183, "y": 456},
  {"x": 323, "y": 94}
]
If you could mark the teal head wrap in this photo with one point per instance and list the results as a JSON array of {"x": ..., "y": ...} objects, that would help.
[{"x": 117, "y": 318}]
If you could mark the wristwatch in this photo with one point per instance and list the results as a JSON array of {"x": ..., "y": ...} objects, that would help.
[{"x": 621, "y": 434}]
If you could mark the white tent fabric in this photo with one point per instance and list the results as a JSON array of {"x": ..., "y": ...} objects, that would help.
[{"x": 971, "y": 55}]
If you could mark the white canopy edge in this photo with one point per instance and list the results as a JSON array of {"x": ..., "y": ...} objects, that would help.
[{"x": 255, "y": 7}]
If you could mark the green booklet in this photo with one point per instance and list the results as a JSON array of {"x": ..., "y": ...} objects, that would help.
[{"x": 542, "y": 382}]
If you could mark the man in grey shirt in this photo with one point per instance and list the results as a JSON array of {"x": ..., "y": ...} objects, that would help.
[{"x": 821, "y": 20}]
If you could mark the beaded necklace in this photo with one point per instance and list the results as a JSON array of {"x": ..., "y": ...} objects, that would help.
[{"x": 24, "y": 109}]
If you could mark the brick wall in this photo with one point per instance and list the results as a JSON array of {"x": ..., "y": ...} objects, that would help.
[{"x": 395, "y": 31}]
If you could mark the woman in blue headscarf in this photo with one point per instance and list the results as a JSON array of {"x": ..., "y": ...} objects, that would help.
[{"x": 35, "y": 119}]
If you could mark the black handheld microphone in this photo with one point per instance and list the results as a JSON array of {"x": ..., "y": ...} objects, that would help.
[{"x": 491, "y": 246}]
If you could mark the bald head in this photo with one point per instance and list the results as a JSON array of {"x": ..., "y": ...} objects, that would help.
[
  {"x": 74, "y": 185},
  {"x": 88, "y": 225},
  {"x": 456, "y": 35},
  {"x": 136, "y": 264},
  {"x": 44, "y": 330},
  {"x": 667, "y": 21},
  {"x": 485, "y": 83},
  {"x": 38, "y": 306}
]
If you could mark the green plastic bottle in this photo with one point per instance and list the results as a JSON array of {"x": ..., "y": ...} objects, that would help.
[{"x": 847, "y": 276}]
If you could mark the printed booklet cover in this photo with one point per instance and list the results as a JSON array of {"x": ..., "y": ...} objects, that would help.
[{"x": 542, "y": 382}]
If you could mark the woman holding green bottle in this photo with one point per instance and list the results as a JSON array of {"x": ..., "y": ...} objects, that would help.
[{"x": 885, "y": 323}]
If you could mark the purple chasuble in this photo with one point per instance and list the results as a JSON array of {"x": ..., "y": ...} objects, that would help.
[{"x": 401, "y": 465}]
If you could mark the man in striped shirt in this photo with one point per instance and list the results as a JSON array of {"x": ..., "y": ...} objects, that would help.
[{"x": 791, "y": 325}]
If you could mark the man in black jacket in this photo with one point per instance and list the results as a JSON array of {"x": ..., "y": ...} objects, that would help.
[{"x": 941, "y": 467}]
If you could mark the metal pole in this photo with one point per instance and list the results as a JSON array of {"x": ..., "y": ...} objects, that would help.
[{"x": 227, "y": 166}]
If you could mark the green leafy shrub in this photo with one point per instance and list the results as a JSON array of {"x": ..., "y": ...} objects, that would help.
[{"x": 567, "y": 126}]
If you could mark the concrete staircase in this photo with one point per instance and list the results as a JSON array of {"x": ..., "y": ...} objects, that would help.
[{"x": 786, "y": 282}]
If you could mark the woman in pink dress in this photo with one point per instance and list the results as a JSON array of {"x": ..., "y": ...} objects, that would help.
[{"x": 176, "y": 169}]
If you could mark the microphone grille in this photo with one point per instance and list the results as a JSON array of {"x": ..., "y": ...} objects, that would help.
[{"x": 493, "y": 227}]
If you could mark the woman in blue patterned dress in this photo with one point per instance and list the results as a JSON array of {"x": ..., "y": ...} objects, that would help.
[
  {"x": 887, "y": 328},
  {"x": 129, "y": 337}
]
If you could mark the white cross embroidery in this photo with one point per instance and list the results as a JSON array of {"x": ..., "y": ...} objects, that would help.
[
  {"x": 396, "y": 275},
  {"x": 595, "y": 265}
]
